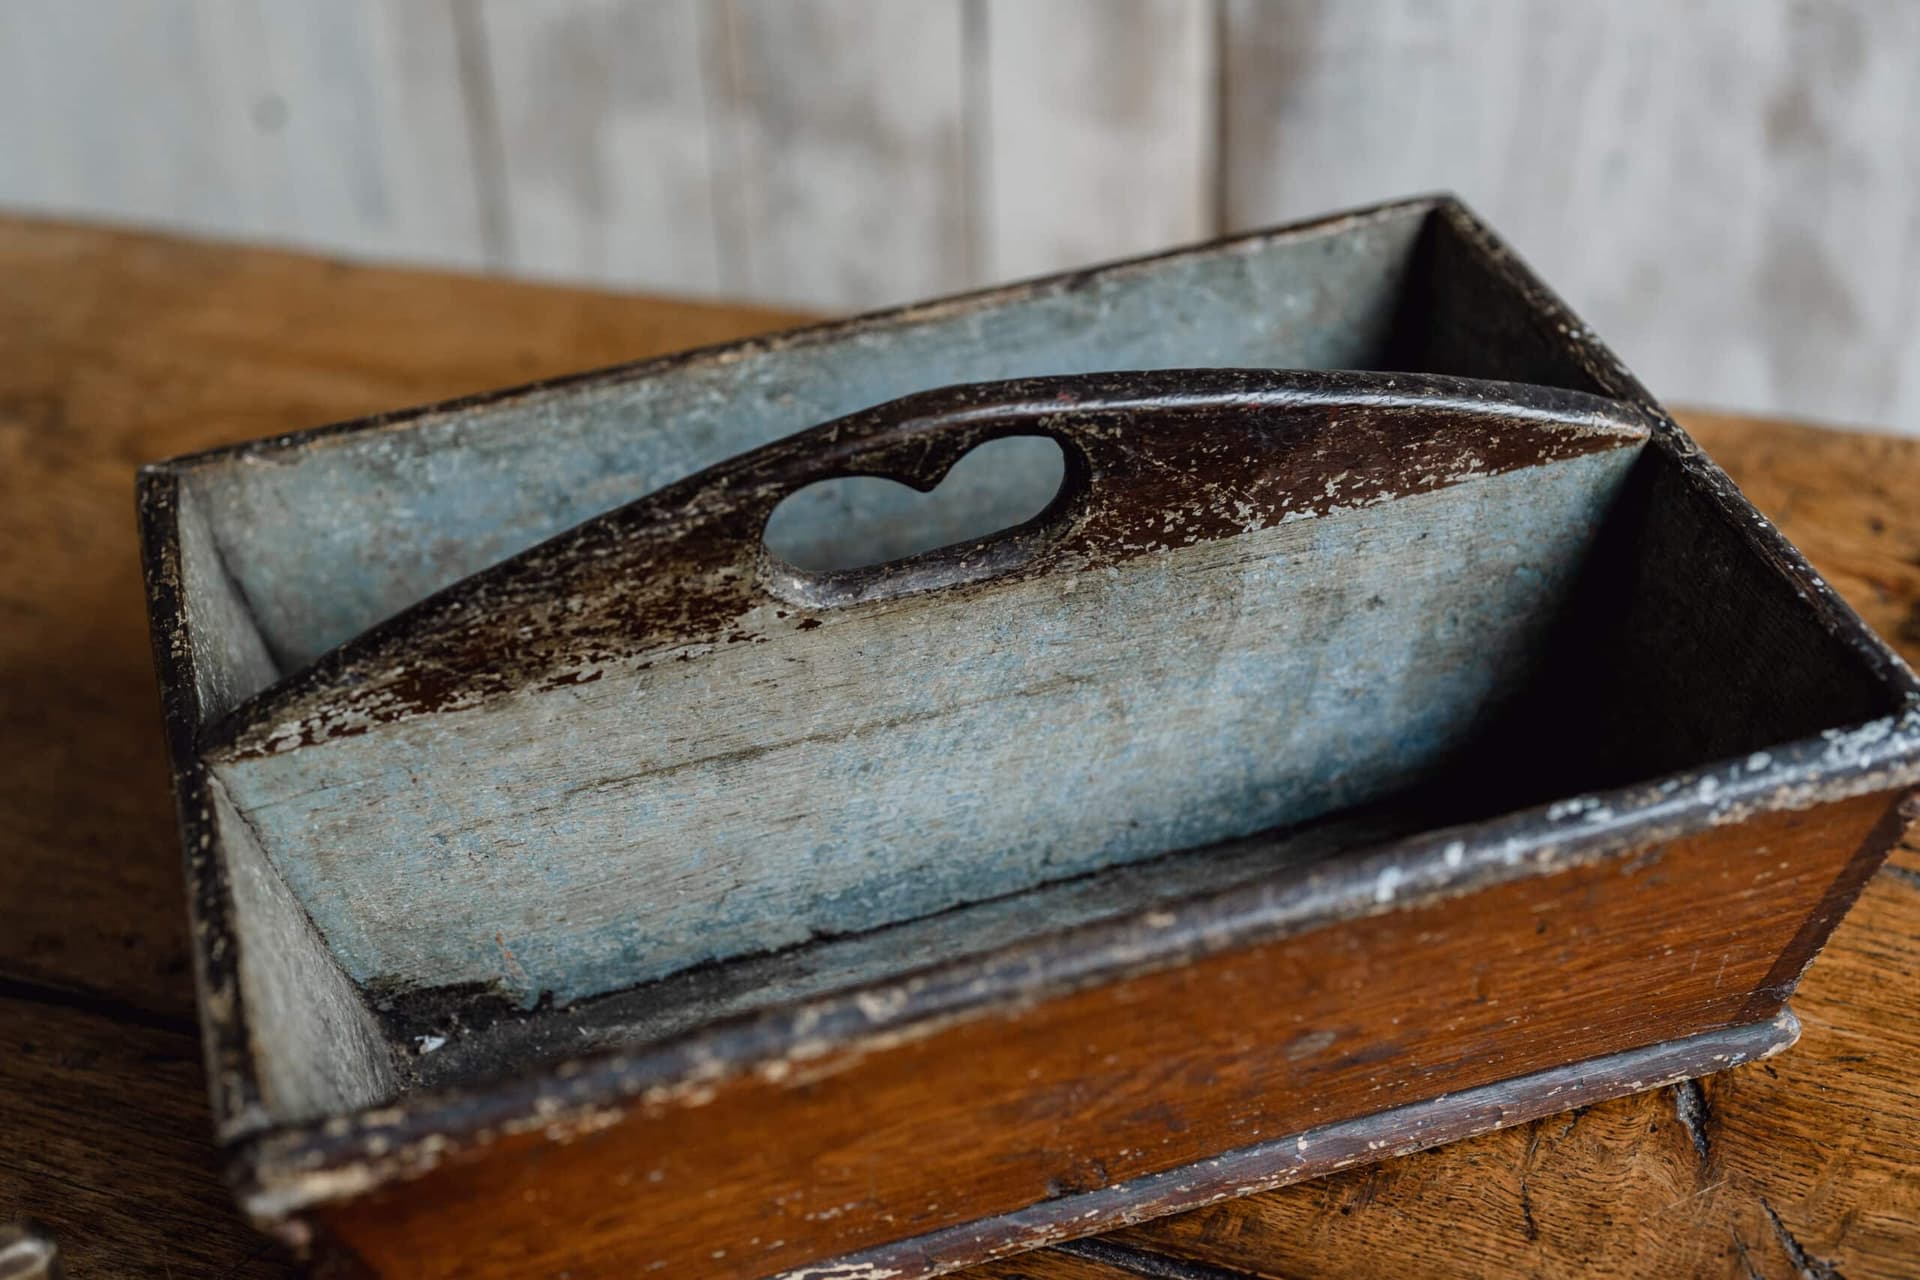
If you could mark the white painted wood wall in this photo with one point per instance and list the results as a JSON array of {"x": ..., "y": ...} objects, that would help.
[{"x": 1729, "y": 189}]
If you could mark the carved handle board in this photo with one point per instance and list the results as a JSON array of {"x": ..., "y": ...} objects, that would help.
[{"x": 648, "y": 743}]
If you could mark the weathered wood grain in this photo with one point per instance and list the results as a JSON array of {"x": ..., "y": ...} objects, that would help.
[
  {"x": 120, "y": 348},
  {"x": 115, "y": 348},
  {"x": 852, "y": 1148},
  {"x": 319, "y": 565},
  {"x": 1800, "y": 1166},
  {"x": 1845, "y": 498},
  {"x": 381, "y": 1179}
]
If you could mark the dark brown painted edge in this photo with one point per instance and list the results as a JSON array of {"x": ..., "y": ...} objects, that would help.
[
  {"x": 233, "y": 1084},
  {"x": 1315, "y": 1152}
]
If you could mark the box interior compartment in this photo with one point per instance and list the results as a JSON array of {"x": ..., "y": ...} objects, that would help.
[{"x": 1617, "y": 668}]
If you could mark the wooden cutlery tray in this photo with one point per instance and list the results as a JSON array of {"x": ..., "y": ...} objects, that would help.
[{"x": 1368, "y": 720}]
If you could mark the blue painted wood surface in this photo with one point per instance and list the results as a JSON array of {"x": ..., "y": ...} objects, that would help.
[{"x": 903, "y": 758}]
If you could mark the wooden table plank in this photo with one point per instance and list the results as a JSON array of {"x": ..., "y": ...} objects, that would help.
[
  {"x": 116, "y": 348},
  {"x": 104, "y": 1125}
]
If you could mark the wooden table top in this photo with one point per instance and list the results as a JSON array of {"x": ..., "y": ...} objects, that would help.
[{"x": 118, "y": 348}]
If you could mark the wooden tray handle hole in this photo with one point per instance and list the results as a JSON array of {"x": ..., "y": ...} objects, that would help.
[{"x": 859, "y": 522}]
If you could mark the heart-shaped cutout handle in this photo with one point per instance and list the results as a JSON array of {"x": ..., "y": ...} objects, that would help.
[{"x": 866, "y": 522}]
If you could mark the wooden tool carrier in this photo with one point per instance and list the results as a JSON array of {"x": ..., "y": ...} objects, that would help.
[{"x": 1316, "y": 766}]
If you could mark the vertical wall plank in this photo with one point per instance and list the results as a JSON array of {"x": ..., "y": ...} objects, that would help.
[
  {"x": 601, "y": 108},
  {"x": 1099, "y": 130},
  {"x": 1729, "y": 191},
  {"x": 843, "y": 178},
  {"x": 366, "y": 117},
  {"x": 340, "y": 126},
  {"x": 69, "y": 78}
]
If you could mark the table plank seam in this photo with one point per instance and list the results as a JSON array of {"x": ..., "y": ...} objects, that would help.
[{"x": 97, "y": 1004}]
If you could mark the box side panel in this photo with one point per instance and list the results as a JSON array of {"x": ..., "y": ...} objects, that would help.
[
  {"x": 229, "y": 657},
  {"x": 1710, "y": 651},
  {"x": 834, "y": 1154},
  {"x": 328, "y": 537},
  {"x": 1682, "y": 647},
  {"x": 317, "y": 1049},
  {"x": 1698, "y": 634}
]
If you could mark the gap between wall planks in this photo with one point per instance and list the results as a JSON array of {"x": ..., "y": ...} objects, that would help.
[{"x": 841, "y": 154}]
